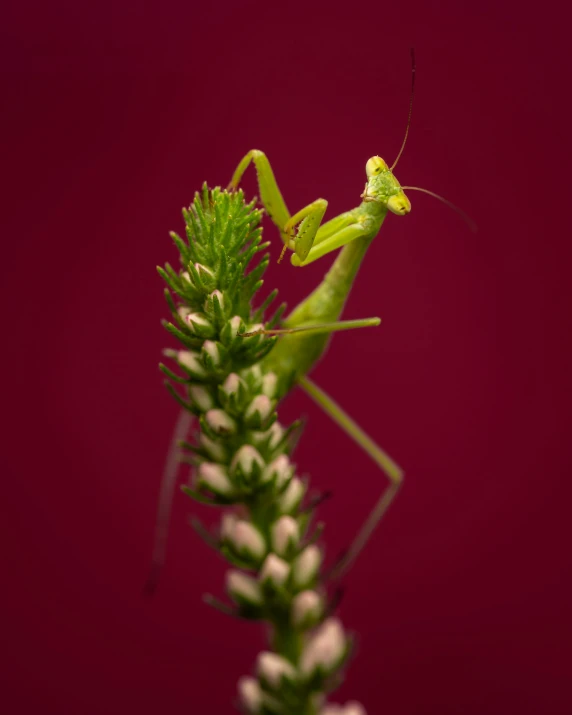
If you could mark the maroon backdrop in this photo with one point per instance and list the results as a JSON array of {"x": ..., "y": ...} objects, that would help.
[{"x": 113, "y": 116}]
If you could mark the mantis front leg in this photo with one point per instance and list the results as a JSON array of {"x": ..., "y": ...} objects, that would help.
[
  {"x": 383, "y": 460},
  {"x": 310, "y": 232}
]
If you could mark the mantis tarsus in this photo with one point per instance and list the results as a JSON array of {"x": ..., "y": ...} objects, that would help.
[{"x": 305, "y": 333}]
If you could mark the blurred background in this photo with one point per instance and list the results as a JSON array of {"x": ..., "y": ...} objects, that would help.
[{"x": 113, "y": 115}]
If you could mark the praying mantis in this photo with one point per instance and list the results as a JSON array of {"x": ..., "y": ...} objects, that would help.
[{"x": 305, "y": 334}]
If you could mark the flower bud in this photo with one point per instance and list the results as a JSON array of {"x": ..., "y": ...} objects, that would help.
[
  {"x": 209, "y": 302},
  {"x": 350, "y": 708},
  {"x": 213, "y": 355},
  {"x": 189, "y": 361},
  {"x": 229, "y": 335},
  {"x": 215, "y": 450},
  {"x": 292, "y": 496},
  {"x": 247, "y": 463},
  {"x": 243, "y": 589},
  {"x": 271, "y": 668},
  {"x": 220, "y": 422},
  {"x": 280, "y": 470},
  {"x": 233, "y": 394},
  {"x": 276, "y": 435},
  {"x": 250, "y": 694},
  {"x": 305, "y": 566},
  {"x": 270, "y": 384},
  {"x": 183, "y": 312},
  {"x": 258, "y": 412},
  {"x": 274, "y": 570},
  {"x": 307, "y": 608},
  {"x": 227, "y": 524},
  {"x": 214, "y": 478},
  {"x": 248, "y": 541},
  {"x": 325, "y": 649},
  {"x": 201, "y": 398},
  {"x": 200, "y": 324},
  {"x": 285, "y": 535},
  {"x": 206, "y": 276},
  {"x": 187, "y": 278}
]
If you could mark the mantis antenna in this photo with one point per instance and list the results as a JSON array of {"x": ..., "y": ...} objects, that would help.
[
  {"x": 472, "y": 225},
  {"x": 410, "y": 109}
]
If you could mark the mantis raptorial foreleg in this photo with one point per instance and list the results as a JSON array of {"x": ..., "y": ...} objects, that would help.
[
  {"x": 308, "y": 219},
  {"x": 334, "y": 240},
  {"x": 386, "y": 464}
]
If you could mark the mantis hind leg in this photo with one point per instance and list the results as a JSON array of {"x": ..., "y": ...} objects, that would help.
[
  {"x": 168, "y": 484},
  {"x": 383, "y": 460},
  {"x": 308, "y": 219}
]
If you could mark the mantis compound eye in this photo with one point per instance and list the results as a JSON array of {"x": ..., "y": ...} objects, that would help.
[
  {"x": 399, "y": 204},
  {"x": 375, "y": 166}
]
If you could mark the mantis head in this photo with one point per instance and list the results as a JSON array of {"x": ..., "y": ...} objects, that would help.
[{"x": 383, "y": 187}]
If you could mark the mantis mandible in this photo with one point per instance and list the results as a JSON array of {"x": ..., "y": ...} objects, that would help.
[{"x": 306, "y": 332}]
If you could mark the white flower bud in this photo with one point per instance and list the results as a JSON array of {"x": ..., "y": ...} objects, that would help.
[
  {"x": 350, "y": 708},
  {"x": 270, "y": 384},
  {"x": 306, "y": 565},
  {"x": 187, "y": 277},
  {"x": 272, "y": 667},
  {"x": 292, "y": 495},
  {"x": 211, "y": 349},
  {"x": 275, "y": 570},
  {"x": 227, "y": 524},
  {"x": 183, "y": 312},
  {"x": 285, "y": 533},
  {"x": 220, "y": 422},
  {"x": 258, "y": 411},
  {"x": 232, "y": 383},
  {"x": 214, "y": 477},
  {"x": 325, "y": 648},
  {"x": 189, "y": 360},
  {"x": 243, "y": 588},
  {"x": 214, "y": 449},
  {"x": 247, "y": 540},
  {"x": 279, "y": 470},
  {"x": 209, "y": 301},
  {"x": 276, "y": 435},
  {"x": 248, "y": 459},
  {"x": 200, "y": 324},
  {"x": 250, "y": 694},
  {"x": 306, "y": 609},
  {"x": 201, "y": 397},
  {"x": 235, "y": 322},
  {"x": 204, "y": 273}
]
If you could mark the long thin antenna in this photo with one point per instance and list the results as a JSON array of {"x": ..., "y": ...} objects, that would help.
[
  {"x": 462, "y": 214},
  {"x": 410, "y": 109}
]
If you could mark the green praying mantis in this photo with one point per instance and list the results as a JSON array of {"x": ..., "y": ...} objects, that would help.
[{"x": 306, "y": 332}]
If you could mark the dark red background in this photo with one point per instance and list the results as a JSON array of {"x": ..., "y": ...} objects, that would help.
[{"x": 113, "y": 116}]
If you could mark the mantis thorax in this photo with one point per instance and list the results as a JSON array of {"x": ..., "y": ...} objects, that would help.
[{"x": 382, "y": 187}]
